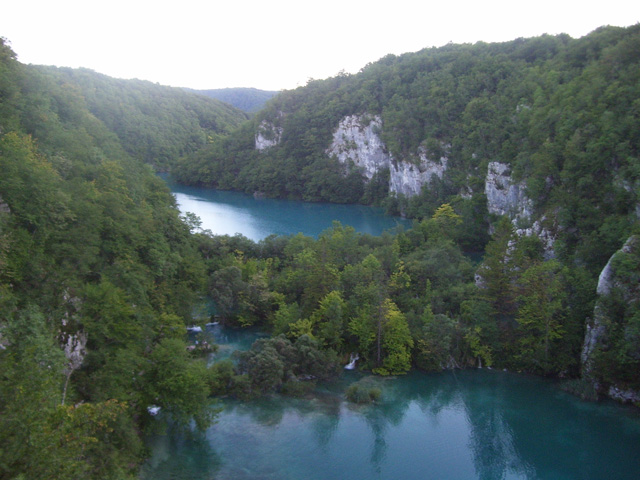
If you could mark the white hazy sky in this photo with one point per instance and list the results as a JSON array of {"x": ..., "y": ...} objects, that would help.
[{"x": 275, "y": 44}]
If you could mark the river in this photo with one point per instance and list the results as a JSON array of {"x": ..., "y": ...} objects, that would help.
[
  {"x": 227, "y": 213},
  {"x": 471, "y": 424}
]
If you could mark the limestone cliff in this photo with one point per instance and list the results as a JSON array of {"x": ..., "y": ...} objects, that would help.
[
  {"x": 611, "y": 282},
  {"x": 357, "y": 140},
  {"x": 267, "y": 136},
  {"x": 504, "y": 196},
  {"x": 408, "y": 178},
  {"x": 507, "y": 197}
]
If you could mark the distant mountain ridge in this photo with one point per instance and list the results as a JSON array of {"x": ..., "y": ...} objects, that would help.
[{"x": 249, "y": 100}]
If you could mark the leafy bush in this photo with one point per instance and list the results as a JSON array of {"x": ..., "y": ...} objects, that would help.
[{"x": 363, "y": 391}]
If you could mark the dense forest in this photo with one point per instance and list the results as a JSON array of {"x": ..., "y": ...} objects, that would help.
[
  {"x": 560, "y": 115},
  {"x": 100, "y": 276},
  {"x": 154, "y": 123}
]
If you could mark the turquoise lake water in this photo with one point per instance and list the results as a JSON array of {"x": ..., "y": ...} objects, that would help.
[
  {"x": 471, "y": 424},
  {"x": 228, "y": 213}
]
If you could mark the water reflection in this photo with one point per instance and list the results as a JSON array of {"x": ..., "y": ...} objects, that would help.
[
  {"x": 183, "y": 456},
  {"x": 470, "y": 424}
]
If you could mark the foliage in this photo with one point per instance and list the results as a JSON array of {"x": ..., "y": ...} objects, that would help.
[
  {"x": 92, "y": 246},
  {"x": 562, "y": 112},
  {"x": 542, "y": 304},
  {"x": 98, "y": 277},
  {"x": 275, "y": 362},
  {"x": 363, "y": 391},
  {"x": 154, "y": 123}
]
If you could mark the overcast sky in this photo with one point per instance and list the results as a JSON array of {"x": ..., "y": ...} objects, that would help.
[{"x": 274, "y": 44}]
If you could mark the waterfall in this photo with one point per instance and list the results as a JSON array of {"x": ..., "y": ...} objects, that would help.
[{"x": 353, "y": 358}]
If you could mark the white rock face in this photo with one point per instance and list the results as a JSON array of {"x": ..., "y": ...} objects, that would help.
[
  {"x": 624, "y": 396},
  {"x": 504, "y": 197},
  {"x": 596, "y": 329},
  {"x": 75, "y": 349},
  {"x": 360, "y": 144},
  {"x": 153, "y": 410},
  {"x": 356, "y": 140},
  {"x": 546, "y": 236},
  {"x": 594, "y": 332},
  {"x": 408, "y": 178},
  {"x": 268, "y": 135}
]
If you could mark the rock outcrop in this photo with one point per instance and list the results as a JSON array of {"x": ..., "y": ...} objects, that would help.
[
  {"x": 408, "y": 178},
  {"x": 547, "y": 235},
  {"x": 4, "y": 207},
  {"x": 596, "y": 335},
  {"x": 267, "y": 136},
  {"x": 357, "y": 141},
  {"x": 504, "y": 196}
]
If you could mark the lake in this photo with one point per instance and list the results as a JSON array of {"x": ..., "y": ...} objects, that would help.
[
  {"x": 228, "y": 213},
  {"x": 470, "y": 424}
]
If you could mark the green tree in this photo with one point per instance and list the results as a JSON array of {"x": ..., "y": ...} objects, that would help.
[
  {"x": 540, "y": 316},
  {"x": 329, "y": 320}
]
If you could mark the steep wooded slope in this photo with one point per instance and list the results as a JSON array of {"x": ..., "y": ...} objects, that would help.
[
  {"x": 154, "y": 123},
  {"x": 551, "y": 121},
  {"x": 98, "y": 275}
]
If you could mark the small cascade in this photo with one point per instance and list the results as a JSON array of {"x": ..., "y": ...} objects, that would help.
[
  {"x": 479, "y": 362},
  {"x": 353, "y": 358}
]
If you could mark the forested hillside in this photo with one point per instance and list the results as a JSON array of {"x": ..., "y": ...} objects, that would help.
[
  {"x": 249, "y": 100},
  {"x": 534, "y": 146},
  {"x": 522, "y": 159},
  {"x": 98, "y": 278},
  {"x": 560, "y": 113},
  {"x": 154, "y": 123}
]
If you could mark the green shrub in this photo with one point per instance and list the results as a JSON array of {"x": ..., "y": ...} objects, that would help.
[{"x": 363, "y": 391}]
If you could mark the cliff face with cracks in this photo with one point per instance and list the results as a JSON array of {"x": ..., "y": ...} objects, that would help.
[
  {"x": 357, "y": 140},
  {"x": 507, "y": 197},
  {"x": 267, "y": 136},
  {"x": 504, "y": 196}
]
